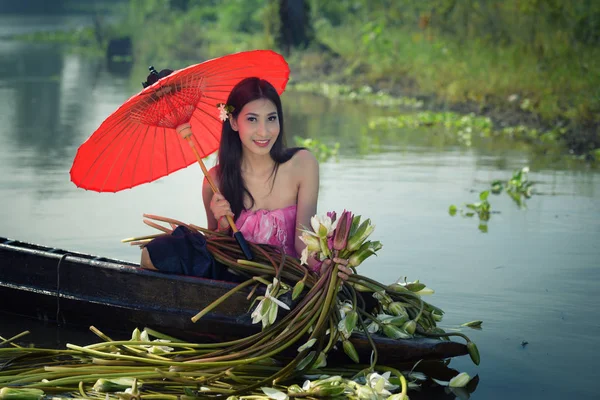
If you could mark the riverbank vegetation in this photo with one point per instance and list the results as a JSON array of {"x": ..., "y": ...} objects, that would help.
[{"x": 528, "y": 63}]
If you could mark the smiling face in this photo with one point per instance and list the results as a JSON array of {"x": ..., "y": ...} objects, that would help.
[{"x": 258, "y": 126}]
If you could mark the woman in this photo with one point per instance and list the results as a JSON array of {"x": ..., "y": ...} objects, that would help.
[{"x": 269, "y": 190}]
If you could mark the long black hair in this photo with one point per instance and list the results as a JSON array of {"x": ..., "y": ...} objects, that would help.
[{"x": 231, "y": 182}]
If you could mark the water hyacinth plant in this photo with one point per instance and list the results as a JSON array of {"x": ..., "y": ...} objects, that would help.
[{"x": 325, "y": 316}]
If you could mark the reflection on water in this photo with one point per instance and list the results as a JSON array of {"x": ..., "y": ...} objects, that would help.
[{"x": 532, "y": 277}]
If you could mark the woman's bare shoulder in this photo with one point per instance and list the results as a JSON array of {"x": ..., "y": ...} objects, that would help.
[{"x": 304, "y": 159}]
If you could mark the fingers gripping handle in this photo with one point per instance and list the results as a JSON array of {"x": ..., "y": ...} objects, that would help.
[{"x": 185, "y": 130}]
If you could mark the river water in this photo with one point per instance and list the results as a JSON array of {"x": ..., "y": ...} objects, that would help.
[{"x": 532, "y": 277}]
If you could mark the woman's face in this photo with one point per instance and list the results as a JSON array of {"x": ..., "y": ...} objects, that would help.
[{"x": 258, "y": 126}]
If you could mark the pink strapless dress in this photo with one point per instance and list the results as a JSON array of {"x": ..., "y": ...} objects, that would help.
[{"x": 275, "y": 227}]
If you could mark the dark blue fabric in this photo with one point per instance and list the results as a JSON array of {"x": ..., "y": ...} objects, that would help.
[{"x": 184, "y": 252}]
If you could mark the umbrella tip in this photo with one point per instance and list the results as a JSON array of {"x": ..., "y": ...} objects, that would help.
[{"x": 151, "y": 79}]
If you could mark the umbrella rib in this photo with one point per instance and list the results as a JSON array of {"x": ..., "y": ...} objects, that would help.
[
  {"x": 179, "y": 143},
  {"x": 122, "y": 137},
  {"x": 99, "y": 157},
  {"x": 137, "y": 157},
  {"x": 165, "y": 152},
  {"x": 129, "y": 155}
]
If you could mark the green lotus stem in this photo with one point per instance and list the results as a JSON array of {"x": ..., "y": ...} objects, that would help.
[
  {"x": 254, "y": 264},
  {"x": 89, "y": 378},
  {"x": 215, "y": 303},
  {"x": 274, "y": 378},
  {"x": 159, "y": 396},
  {"x": 20, "y": 335},
  {"x": 400, "y": 376},
  {"x": 331, "y": 291},
  {"x": 447, "y": 334},
  {"x": 81, "y": 391},
  {"x": 128, "y": 347}
]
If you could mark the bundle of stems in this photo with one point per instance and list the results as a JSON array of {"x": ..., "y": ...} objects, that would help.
[{"x": 326, "y": 311}]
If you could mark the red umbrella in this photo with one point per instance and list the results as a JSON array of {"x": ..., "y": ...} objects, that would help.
[{"x": 142, "y": 140}]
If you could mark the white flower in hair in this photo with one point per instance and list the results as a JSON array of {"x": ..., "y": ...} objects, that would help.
[{"x": 224, "y": 111}]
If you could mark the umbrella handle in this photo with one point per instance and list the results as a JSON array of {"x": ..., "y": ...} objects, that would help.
[{"x": 185, "y": 130}]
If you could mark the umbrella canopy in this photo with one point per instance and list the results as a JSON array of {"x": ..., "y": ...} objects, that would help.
[{"x": 140, "y": 142}]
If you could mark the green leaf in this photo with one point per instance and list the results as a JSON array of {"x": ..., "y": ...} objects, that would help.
[
  {"x": 484, "y": 195},
  {"x": 452, "y": 210}
]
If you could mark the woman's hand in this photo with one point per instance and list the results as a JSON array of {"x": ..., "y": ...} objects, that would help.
[
  {"x": 220, "y": 208},
  {"x": 343, "y": 271}
]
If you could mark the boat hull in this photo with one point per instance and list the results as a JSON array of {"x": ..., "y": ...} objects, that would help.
[{"x": 78, "y": 289}]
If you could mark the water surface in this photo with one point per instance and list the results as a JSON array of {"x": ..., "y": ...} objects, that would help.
[{"x": 532, "y": 277}]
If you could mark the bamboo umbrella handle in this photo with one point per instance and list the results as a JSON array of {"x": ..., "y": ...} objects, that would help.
[{"x": 185, "y": 130}]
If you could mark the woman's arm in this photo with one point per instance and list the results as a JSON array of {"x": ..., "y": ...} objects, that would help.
[
  {"x": 306, "y": 168},
  {"x": 215, "y": 204}
]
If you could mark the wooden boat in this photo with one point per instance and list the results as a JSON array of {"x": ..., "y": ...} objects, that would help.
[{"x": 79, "y": 289}]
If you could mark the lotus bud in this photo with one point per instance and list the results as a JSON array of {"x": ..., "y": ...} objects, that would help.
[
  {"x": 350, "y": 351},
  {"x": 397, "y": 309},
  {"x": 410, "y": 326},
  {"x": 112, "y": 385},
  {"x": 473, "y": 352},
  {"x": 436, "y": 317},
  {"x": 415, "y": 286},
  {"x": 394, "y": 332},
  {"x": 321, "y": 361},
  {"x": 383, "y": 298},
  {"x": 473, "y": 324},
  {"x": 355, "y": 225},
  {"x": 135, "y": 335},
  {"x": 342, "y": 231},
  {"x": 396, "y": 287},
  {"x": 398, "y": 321},
  {"x": 328, "y": 391},
  {"x": 362, "y": 233},
  {"x": 459, "y": 380},
  {"x": 294, "y": 389},
  {"x": 298, "y": 288},
  {"x": 21, "y": 393},
  {"x": 358, "y": 257}
]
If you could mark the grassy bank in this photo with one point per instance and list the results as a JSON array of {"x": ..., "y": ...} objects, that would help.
[{"x": 548, "y": 83}]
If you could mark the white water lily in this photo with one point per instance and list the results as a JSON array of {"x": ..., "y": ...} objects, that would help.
[
  {"x": 322, "y": 225},
  {"x": 266, "y": 310},
  {"x": 154, "y": 349},
  {"x": 366, "y": 393},
  {"x": 275, "y": 299},
  {"x": 381, "y": 383},
  {"x": 459, "y": 381},
  {"x": 304, "y": 256}
]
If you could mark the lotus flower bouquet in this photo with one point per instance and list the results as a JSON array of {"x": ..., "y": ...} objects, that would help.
[{"x": 344, "y": 237}]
